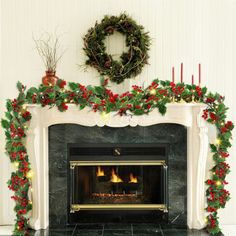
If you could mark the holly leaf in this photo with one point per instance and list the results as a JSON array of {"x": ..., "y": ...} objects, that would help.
[
  {"x": 213, "y": 147},
  {"x": 9, "y": 105},
  {"x": 82, "y": 106},
  {"x": 5, "y": 124},
  {"x": 162, "y": 108},
  {"x": 95, "y": 100},
  {"x": 138, "y": 112},
  {"x": 20, "y": 87},
  {"x": 8, "y": 115},
  {"x": 73, "y": 86},
  {"x": 98, "y": 90}
]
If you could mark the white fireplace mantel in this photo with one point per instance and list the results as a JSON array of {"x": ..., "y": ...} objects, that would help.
[{"x": 187, "y": 114}]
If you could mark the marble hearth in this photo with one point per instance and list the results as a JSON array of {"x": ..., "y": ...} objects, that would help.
[{"x": 187, "y": 115}]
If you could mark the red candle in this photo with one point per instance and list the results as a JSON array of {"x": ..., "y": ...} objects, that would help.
[
  {"x": 192, "y": 79},
  {"x": 181, "y": 73},
  {"x": 173, "y": 74},
  {"x": 199, "y": 74}
]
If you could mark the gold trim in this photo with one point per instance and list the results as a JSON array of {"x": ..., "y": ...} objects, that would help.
[
  {"x": 117, "y": 163},
  {"x": 78, "y": 207}
]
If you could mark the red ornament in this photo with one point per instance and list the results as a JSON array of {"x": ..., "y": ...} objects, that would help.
[
  {"x": 213, "y": 116},
  {"x": 61, "y": 83},
  {"x": 210, "y": 100},
  {"x": 205, "y": 114},
  {"x": 64, "y": 107},
  {"x": 229, "y": 125},
  {"x": 26, "y": 115}
]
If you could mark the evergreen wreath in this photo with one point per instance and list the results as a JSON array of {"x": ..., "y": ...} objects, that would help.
[{"x": 131, "y": 62}]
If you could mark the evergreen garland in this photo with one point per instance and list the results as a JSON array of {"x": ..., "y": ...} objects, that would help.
[
  {"x": 138, "y": 101},
  {"x": 131, "y": 62}
]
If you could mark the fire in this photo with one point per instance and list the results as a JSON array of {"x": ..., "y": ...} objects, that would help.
[
  {"x": 100, "y": 172},
  {"x": 133, "y": 179},
  {"x": 115, "y": 178}
]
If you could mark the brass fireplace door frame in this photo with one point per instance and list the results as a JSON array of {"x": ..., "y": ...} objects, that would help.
[{"x": 78, "y": 207}]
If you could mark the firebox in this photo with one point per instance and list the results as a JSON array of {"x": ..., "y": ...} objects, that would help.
[{"x": 119, "y": 180}]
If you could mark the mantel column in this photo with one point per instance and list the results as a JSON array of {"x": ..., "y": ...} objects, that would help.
[
  {"x": 197, "y": 157},
  {"x": 35, "y": 143}
]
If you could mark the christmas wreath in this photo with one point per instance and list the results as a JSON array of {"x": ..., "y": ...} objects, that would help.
[
  {"x": 138, "y": 101},
  {"x": 131, "y": 62}
]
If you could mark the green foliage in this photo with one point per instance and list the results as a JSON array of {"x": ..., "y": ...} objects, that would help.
[
  {"x": 5, "y": 124},
  {"x": 138, "y": 101}
]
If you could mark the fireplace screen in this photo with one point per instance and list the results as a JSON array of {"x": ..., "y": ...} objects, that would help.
[
  {"x": 107, "y": 183},
  {"x": 125, "y": 185}
]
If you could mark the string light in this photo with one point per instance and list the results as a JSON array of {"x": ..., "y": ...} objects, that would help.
[
  {"x": 218, "y": 183},
  {"x": 30, "y": 174},
  {"x": 65, "y": 100},
  {"x": 206, "y": 220},
  {"x": 16, "y": 164},
  {"x": 105, "y": 115},
  {"x": 218, "y": 141},
  {"x": 153, "y": 91}
]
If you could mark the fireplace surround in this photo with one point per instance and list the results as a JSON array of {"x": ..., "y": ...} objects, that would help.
[
  {"x": 188, "y": 115},
  {"x": 150, "y": 146}
]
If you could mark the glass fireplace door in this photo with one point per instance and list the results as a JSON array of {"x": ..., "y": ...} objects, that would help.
[{"x": 118, "y": 185}]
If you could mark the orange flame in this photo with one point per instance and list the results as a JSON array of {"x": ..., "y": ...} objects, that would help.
[
  {"x": 115, "y": 178},
  {"x": 100, "y": 172},
  {"x": 133, "y": 179}
]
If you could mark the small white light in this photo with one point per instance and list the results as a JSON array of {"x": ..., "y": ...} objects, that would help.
[
  {"x": 153, "y": 91},
  {"x": 30, "y": 174},
  {"x": 16, "y": 164},
  {"x": 105, "y": 116},
  {"x": 218, "y": 141}
]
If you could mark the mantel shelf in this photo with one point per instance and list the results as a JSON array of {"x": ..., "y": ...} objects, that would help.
[{"x": 178, "y": 113}]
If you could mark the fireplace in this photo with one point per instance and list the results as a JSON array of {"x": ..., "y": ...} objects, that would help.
[
  {"x": 116, "y": 178},
  {"x": 182, "y": 128},
  {"x": 154, "y": 154}
]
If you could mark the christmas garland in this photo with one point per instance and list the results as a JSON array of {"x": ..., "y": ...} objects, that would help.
[
  {"x": 131, "y": 62},
  {"x": 138, "y": 101}
]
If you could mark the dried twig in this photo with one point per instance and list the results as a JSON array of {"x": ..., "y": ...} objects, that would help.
[{"x": 47, "y": 47}]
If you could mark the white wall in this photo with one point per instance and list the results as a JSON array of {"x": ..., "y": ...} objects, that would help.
[{"x": 188, "y": 31}]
